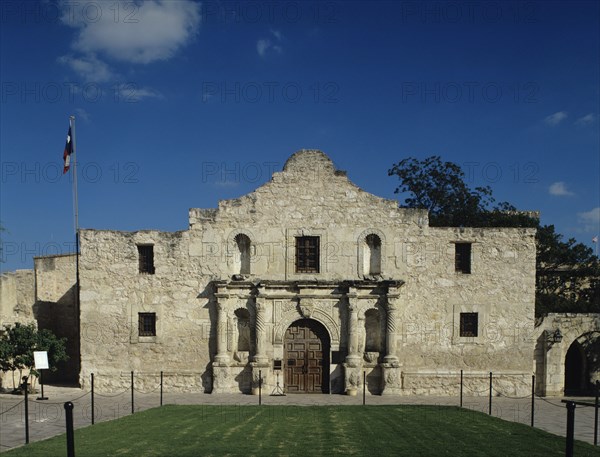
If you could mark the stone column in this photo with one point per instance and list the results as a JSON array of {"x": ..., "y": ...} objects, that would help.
[
  {"x": 222, "y": 382},
  {"x": 390, "y": 333},
  {"x": 260, "y": 331},
  {"x": 260, "y": 363},
  {"x": 352, "y": 329},
  {"x": 391, "y": 373},
  {"x": 222, "y": 355},
  {"x": 353, "y": 363}
]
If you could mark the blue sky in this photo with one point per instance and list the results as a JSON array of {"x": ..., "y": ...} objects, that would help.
[{"x": 179, "y": 104}]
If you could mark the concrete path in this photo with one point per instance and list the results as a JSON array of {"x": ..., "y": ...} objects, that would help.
[{"x": 47, "y": 418}]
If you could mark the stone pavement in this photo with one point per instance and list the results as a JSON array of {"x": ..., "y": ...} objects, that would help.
[{"x": 47, "y": 418}]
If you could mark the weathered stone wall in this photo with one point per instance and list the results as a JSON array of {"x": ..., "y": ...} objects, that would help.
[
  {"x": 16, "y": 305},
  {"x": 56, "y": 310},
  {"x": 550, "y": 356},
  {"x": 16, "y": 297},
  {"x": 309, "y": 197}
]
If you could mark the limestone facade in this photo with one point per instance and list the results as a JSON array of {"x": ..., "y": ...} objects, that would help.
[
  {"x": 311, "y": 282},
  {"x": 573, "y": 358}
]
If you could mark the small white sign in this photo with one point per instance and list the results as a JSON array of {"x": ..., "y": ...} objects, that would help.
[{"x": 41, "y": 360}]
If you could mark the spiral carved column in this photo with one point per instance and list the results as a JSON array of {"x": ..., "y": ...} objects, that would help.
[
  {"x": 390, "y": 334},
  {"x": 260, "y": 330}
]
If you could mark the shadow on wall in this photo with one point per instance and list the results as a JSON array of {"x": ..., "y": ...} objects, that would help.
[{"x": 61, "y": 319}]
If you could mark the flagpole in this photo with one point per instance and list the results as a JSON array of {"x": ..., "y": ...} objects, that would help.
[
  {"x": 76, "y": 204},
  {"x": 75, "y": 198}
]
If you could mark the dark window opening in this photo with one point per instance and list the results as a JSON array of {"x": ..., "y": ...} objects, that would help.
[
  {"x": 146, "y": 257},
  {"x": 468, "y": 324},
  {"x": 463, "y": 258},
  {"x": 147, "y": 324},
  {"x": 307, "y": 254}
]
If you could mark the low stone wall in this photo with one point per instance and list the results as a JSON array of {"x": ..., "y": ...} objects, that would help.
[{"x": 475, "y": 384}]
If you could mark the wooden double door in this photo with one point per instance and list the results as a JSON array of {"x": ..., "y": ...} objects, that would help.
[{"x": 306, "y": 357}]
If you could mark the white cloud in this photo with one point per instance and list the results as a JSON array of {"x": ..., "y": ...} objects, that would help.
[
  {"x": 559, "y": 188},
  {"x": 586, "y": 120},
  {"x": 138, "y": 32},
  {"x": 556, "y": 118},
  {"x": 264, "y": 45},
  {"x": 131, "y": 93},
  {"x": 89, "y": 67},
  {"x": 590, "y": 219}
]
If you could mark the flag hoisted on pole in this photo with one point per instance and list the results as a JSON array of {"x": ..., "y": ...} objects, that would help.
[
  {"x": 595, "y": 241},
  {"x": 71, "y": 149}
]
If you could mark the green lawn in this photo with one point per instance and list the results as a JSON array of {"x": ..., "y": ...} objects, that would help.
[{"x": 428, "y": 431}]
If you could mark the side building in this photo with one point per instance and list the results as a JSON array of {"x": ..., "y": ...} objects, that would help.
[{"x": 309, "y": 281}]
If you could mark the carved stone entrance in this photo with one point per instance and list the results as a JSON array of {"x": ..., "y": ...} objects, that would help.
[{"x": 306, "y": 357}]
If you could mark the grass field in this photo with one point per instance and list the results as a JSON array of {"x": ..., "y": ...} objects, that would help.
[{"x": 427, "y": 431}]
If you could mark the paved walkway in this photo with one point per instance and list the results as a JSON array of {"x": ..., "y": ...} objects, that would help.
[{"x": 47, "y": 419}]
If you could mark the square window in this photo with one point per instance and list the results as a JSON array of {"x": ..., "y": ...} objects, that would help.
[
  {"x": 468, "y": 324},
  {"x": 146, "y": 258},
  {"x": 462, "y": 258},
  {"x": 147, "y": 324},
  {"x": 307, "y": 254}
]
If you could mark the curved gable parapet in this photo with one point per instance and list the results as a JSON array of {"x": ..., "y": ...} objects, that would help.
[
  {"x": 310, "y": 189},
  {"x": 309, "y": 160}
]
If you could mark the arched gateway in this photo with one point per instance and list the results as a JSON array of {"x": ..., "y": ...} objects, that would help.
[{"x": 306, "y": 357}]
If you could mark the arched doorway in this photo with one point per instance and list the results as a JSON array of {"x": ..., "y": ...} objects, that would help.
[
  {"x": 306, "y": 357},
  {"x": 576, "y": 376}
]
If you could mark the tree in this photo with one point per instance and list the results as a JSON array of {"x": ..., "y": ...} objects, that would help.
[
  {"x": 440, "y": 188},
  {"x": 18, "y": 342},
  {"x": 567, "y": 273}
]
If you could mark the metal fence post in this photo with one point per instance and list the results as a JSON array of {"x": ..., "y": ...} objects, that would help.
[
  {"x": 260, "y": 387},
  {"x": 490, "y": 407},
  {"x": 92, "y": 398},
  {"x": 532, "y": 399},
  {"x": 132, "y": 401},
  {"x": 161, "y": 388},
  {"x": 596, "y": 414},
  {"x": 70, "y": 434},
  {"x": 461, "y": 388},
  {"x": 570, "y": 428},
  {"x": 26, "y": 386},
  {"x": 364, "y": 386}
]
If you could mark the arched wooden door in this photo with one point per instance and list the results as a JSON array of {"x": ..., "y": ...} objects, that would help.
[{"x": 306, "y": 357}]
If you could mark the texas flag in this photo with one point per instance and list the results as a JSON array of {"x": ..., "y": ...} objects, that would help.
[{"x": 67, "y": 153}]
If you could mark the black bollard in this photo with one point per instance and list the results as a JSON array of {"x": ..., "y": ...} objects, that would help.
[
  {"x": 92, "y": 398},
  {"x": 70, "y": 434},
  {"x": 26, "y": 387},
  {"x": 570, "y": 428},
  {"x": 532, "y": 398},
  {"x": 490, "y": 407},
  {"x": 161, "y": 388}
]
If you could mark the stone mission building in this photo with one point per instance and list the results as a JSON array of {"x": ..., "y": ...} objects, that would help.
[{"x": 311, "y": 282}]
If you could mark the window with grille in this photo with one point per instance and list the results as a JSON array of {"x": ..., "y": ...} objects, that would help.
[
  {"x": 146, "y": 258},
  {"x": 147, "y": 324},
  {"x": 307, "y": 254},
  {"x": 462, "y": 259},
  {"x": 468, "y": 324}
]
